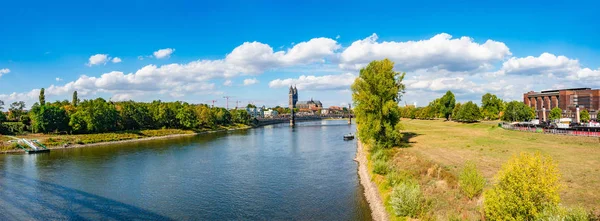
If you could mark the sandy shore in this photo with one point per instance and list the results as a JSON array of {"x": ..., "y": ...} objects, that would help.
[
  {"x": 124, "y": 141},
  {"x": 373, "y": 198}
]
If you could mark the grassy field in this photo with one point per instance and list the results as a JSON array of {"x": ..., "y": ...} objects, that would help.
[
  {"x": 437, "y": 150},
  {"x": 59, "y": 140}
]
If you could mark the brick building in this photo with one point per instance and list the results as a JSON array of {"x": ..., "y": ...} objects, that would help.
[{"x": 566, "y": 99}]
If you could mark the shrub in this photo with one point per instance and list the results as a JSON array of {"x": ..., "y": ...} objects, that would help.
[
  {"x": 380, "y": 167},
  {"x": 526, "y": 185},
  {"x": 380, "y": 154},
  {"x": 471, "y": 182},
  {"x": 552, "y": 213},
  {"x": 394, "y": 178},
  {"x": 407, "y": 199}
]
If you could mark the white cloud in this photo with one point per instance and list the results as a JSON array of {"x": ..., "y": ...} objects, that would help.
[
  {"x": 228, "y": 83},
  {"x": 250, "y": 81},
  {"x": 58, "y": 79},
  {"x": 326, "y": 82},
  {"x": 116, "y": 60},
  {"x": 163, "y": 53},
  {"x": 440, "y": 52},
  {"x": 98, "y": 59},
  {"x": 337, "y": 37},
  {"x": 4, "y": 71},
  {"x": 546, "y": 63}
]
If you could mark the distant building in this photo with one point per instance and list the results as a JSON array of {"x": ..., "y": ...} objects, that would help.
[
  {"x": 293, "y": 96},
  {"x": 312, "y": 104},
  {"x": 270, "y": 113},
  {"x": 255, "y": 112},
  {"x": 568, "y": 100}
]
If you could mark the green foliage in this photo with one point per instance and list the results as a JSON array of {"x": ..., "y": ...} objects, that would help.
[
  {"x": 407, "y": 199},
  {"x": 187, "y": 117},
  {"x": 584, "y": 115},
  {"x": 491, "y": 106},
  {"x": 16, "y": 110},
  {"x": 13, "y": 128},
  {"x": 470, "y": 180},
  {"x": 526, "y": 185},
  {"x": 49, "y": 118},
  {"x": 380, "y": 167},
  {"x": 447, "y": 103},
  {"x": 558, "y": 213},
  {"x": 250, "y": 106},
  {"x": 456, "y": 111},
  {"x": 75, "y": 100},
  {"x": 555, "y": 113},
  {"x": 376, "y": 93},
  {"x": 468, "y": 112},
  {"x": 42, "y": 97},
  {"x": 518, "y": 111},
  {"x": 394, "y": 178}
]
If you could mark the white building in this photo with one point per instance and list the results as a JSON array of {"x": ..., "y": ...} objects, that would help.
[
  {"x": 255, "y": 112},
  {"x": 270, "y": 113}
]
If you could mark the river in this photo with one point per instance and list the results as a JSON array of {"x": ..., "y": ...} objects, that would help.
[{"x": 268, "y": 173}]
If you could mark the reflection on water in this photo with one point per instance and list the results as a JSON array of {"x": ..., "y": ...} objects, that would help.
[{"x": 274, "y": 172}]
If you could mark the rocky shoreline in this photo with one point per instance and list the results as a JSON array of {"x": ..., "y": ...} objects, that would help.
[{"x": 371, "y": 192}]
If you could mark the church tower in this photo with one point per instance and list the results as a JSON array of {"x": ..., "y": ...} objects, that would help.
[{"x": 293, "y": 96}]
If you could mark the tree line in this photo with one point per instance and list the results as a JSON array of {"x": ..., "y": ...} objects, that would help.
[
  {"x": 492, "y": 108},
  {"x": 98, "y": 116}
]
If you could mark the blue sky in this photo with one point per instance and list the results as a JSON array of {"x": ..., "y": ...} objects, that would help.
[{"x": 320, "y": 46}]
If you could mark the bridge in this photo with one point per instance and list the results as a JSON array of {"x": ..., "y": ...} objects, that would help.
[{"x": 298, "y": 118}]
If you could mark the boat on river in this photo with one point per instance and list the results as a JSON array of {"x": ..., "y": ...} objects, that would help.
[{"x": 349, "y": 136}]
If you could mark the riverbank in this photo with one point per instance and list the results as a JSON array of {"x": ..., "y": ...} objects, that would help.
[
  {"x": 371, "y": 192},
  {"x": 76, "y": 141}
]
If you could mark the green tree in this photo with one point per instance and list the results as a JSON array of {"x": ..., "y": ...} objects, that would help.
[
  {"x": 250, "y": 106},
  {"x": 456, "y": 111},
  {"x": 555, "y": 113},
  {"x": 526, "y": 185},
  {"x": 447, "y": 103},
  {"x": 17, "y": 109},
  {"x": 491, "y": 106},
  {"x": 469, "y": 112},
  {"x": 187, "y": 117},
  {"x": 376, "y": 93},
  {"x": 518, "y": 111},
  {"x": 584, "y": 115},
  {"x": 75, "y": 100},
  {"x": 42, "y": 97},
  {"x": 50, "y": 118},
  {"x": 99, "y": 115}
]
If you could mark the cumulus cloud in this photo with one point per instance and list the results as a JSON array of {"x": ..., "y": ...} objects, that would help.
[
  {"x": 4, "y": 71},
  {"x": 546, "y": 63},
  {"x": 441, "y": 52},
  {"x": 250, "y": 81},
  {"x": 228, "y": 83},
  {"x": 163, "y": 53},
  {"x": 98, "y": 59},
  {"x": 116, "y": 60},
  {"x": 326, "y": 82}
]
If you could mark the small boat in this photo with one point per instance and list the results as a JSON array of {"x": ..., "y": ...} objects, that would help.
[{"x": 349, "y": 137}]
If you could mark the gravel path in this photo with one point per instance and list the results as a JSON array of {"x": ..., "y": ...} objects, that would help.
[{"x": 373, "y": 198}]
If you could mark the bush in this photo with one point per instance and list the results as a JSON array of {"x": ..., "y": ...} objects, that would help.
[
  {"x": 380, "y": 154},
  {"x": 380, "y": 167},
  {"x": 526, "y": 185},
  {"x": 552, "y": 213},
  {"x": 407, "y": 199},
  {"x": 471, "y": 182},
  {"x": 394, "y": 178}
]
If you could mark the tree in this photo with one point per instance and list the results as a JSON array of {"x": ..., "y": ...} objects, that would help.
[
  {"x": 518, "y": 111},
  {"x": 42, "y": 97},
  {"x": 187, "y": 117},
  {"x": 456, "y": 111},
  {"x": 447, "y": 103},
  {"x": 584, "y": 115},
  {"x": 469, "y": 112},
  {"x": 526, "y": 185},
  {"x": 75, "y": 100},
  {"x": 250, "y": 106},
  {"x": 17, "y": 109},
  {"x": 376, "y": 93},
  {"x": 555, "y": 113},
  {"x": 491, "y": 106},
  {"x": 50, "y": 118}
]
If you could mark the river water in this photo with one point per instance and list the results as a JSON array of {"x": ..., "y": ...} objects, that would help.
[{"x": 269, "y": 173}]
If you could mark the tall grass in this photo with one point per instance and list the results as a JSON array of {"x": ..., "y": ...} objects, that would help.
[{"x": 470, "y": 180}]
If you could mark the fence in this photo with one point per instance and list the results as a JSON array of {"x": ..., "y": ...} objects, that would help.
[{"x": 586, "y": 132}]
